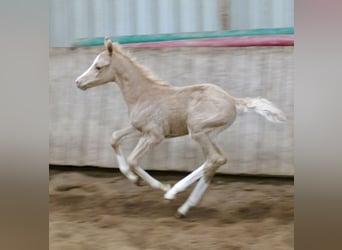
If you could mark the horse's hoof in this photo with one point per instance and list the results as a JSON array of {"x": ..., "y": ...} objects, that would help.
[
  {"x": 139, "y": 182},
  {"x": 132, "y": 177},
  {"x": 169, "y": 196},
  {"x": 178, "y": 215},
  {"x": 166, "y": 187}
]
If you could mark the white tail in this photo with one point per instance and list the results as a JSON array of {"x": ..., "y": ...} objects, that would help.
[{"x": 262, "y": 107}]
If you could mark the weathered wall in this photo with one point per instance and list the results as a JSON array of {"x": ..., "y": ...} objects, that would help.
[{"x": 81, "y": 122}]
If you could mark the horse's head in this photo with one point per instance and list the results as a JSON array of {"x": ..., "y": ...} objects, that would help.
[{"x": 99, "y": 71}]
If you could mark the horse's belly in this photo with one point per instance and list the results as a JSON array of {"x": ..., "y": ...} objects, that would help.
[{"x": 176, "y": 127}]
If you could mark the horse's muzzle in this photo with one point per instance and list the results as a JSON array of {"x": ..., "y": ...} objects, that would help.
[{"x": 84, "y": 87}]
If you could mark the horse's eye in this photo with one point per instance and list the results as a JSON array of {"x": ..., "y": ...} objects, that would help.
[{"x": 98, "y": 68}]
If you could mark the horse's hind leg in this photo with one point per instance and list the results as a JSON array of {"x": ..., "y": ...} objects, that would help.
[
  {"x": 184, "y": 183},
  {"x": 213, "y": 152},
  {"x": 194, "y": 198},
  {"x": 215, "y": 159}
]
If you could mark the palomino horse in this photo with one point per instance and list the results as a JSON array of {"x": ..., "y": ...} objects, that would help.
[{"x": 159, "y": 110}]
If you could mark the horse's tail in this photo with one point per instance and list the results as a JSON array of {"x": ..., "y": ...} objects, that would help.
[{"x": 262, "y": 107}]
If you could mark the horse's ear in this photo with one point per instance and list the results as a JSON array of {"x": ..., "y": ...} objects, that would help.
[{"x": 109, "y": 45}]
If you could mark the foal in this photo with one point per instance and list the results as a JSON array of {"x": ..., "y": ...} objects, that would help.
[{"x": 158, "y": 110}]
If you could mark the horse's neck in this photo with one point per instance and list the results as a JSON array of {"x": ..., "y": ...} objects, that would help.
[{"x": 133, "y": 83}]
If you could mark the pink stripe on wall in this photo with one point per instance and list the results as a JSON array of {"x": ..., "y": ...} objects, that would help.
[{"x": 243, "y": 41}]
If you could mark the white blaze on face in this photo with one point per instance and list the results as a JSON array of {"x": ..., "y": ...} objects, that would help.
[{"x": 79, "y": 79}]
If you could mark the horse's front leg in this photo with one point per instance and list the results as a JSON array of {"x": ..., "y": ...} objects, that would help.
[
  {"x": 123, "y": 166},
  {"x": 144, "y": 144}
]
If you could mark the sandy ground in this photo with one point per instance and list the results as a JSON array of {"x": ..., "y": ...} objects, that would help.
[{"x": 102, "y": 210}]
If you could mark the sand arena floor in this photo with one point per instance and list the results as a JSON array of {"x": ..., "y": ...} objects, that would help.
[{"x": 102, "y": 210}]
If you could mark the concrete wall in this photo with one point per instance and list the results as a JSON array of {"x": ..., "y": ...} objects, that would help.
[{"x": 81, "y": 122}]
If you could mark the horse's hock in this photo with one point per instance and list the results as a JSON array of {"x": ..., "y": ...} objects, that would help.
[{"x": 81, "y": 123}]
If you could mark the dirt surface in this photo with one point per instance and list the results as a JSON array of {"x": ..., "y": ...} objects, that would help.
[{"x": 103, "y": 210}]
